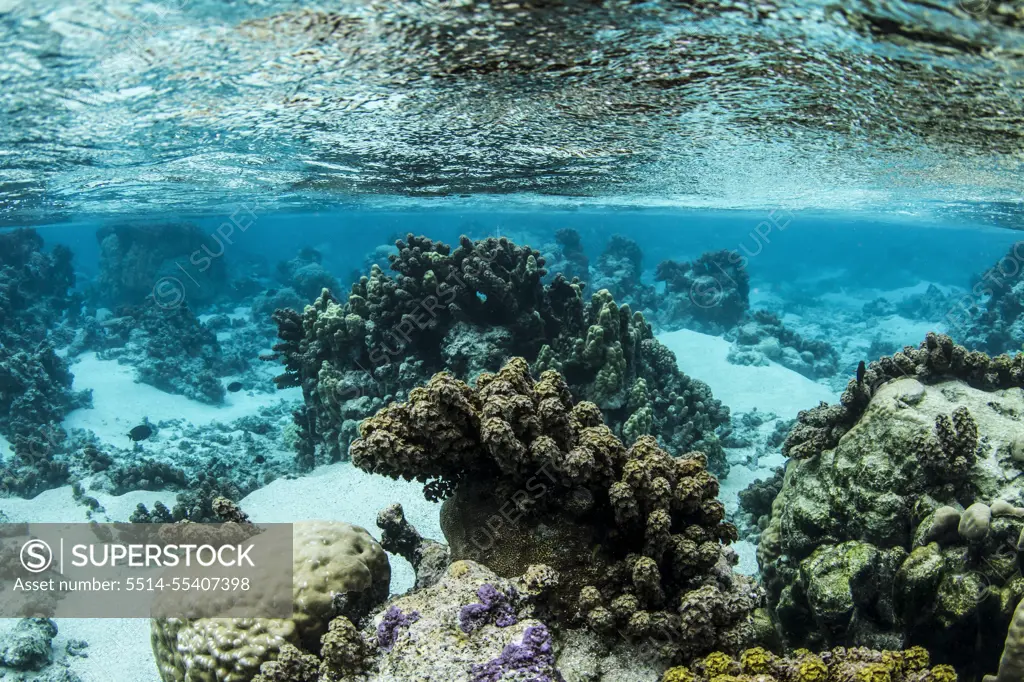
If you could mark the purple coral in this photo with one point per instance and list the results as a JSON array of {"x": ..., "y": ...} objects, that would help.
[
  {"x": 387, "y": 630},
  {"x": 494, "y": 607},
  {"x": 533, "y": 656}
]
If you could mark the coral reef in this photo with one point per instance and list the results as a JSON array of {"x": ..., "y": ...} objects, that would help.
[
  {"x": 468, "y": 310},
  {"x": 852, "y": 665},
  {"x": 169, "y": 349},
  {"x": 991, "y": 317},
  {"x": 35, "y": 396},
  {"x": 764, "y": 337},
  {"x": 35, "y": 288},
  {"x": 306, "y": 275},
  {"x": 619, "y": 269},
  {"x": 141, "y": 261},
  {"x": 936, "y": 359},
  {"x": 431, "y": 644},
  {"x": 330, "y": 558},
  {"x": 35, "y": 382},
  {"x": 567, "y": 256},
  {"x": 930, "y": 305},
  {"x": 900, "y": 526},
  {"x": 711, "y": 294},
  {"x": 635, "y": 535}
]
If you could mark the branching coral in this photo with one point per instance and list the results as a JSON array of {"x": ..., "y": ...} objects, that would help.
[
  {"x": 635, "y": 534},
  {"x": 351, "y": 357}
]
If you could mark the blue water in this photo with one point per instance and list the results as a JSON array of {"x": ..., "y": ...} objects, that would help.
[{"x": 786, "y": 195}]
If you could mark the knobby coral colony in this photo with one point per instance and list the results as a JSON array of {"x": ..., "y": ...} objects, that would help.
[
  {"x": 352, "y": 357},
  {"x": 637, "y": 536}
]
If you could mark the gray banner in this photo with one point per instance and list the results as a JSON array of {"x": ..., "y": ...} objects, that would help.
[{"x": 142, "y": 570}]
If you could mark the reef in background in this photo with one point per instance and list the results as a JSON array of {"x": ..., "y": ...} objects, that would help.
[
  {"x": 468, "y": 310},
  {"x": 35, "y": 382}
]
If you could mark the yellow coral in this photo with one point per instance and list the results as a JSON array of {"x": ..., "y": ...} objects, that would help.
[
  {"x": 943, "y": 673},
  {"x": 916, "y": 658},
  {"x": 716, "y": 664},
  {"x": 458, "y": 569},
  {"x": 812, "y": 668},
  {"x": 678, "y": 674},
  {"x": 756, "y": 661},
  {"x": 875, "y": 672}
]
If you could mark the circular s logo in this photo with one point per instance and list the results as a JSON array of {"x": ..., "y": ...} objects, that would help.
[{"x": 36, "y": 556}]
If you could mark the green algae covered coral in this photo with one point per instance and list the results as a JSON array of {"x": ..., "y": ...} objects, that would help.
[
  {"x": 530, "y": 477},
  {"x": 466, "y": 310},
  {"x": 904, "y": 529}
]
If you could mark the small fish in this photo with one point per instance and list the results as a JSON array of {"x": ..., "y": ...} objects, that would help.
[
  {"x": 141, "y": 432},
  {"x": 260, "y": 459},
  {"x": 235, "y": 386},
  {"x": 271, "y": 292},
  {"x": 861, "y": 368}
]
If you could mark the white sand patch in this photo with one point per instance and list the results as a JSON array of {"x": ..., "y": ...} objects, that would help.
[
  {"x": 341, "y": 492},
  {"x": 119, "y": 649},
  {"x": 772, "y": 388},
  {"x": 120, "y": 402},
  {"x": 58, "y": 505}
]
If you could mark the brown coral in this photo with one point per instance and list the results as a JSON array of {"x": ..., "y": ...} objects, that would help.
[{"x": 534, "y": 479}]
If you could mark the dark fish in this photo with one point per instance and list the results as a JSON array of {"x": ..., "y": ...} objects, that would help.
[
  {"x": 235, "y": 386},
  {"x": 140, "y": 433},
  {"x": 271, "y": 292},
  {"x": 861, "y": 368},
  {"x": 260, "y": 459}
]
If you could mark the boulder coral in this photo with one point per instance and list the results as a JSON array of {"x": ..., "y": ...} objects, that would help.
[
  {"x": 936, "y": 359},
  {"x": 529, "y": 477},
  {"x": 485, "y": 299},
  {"x": 899, "y": 525},
  {"x": 1011, "y": 664},
  {"x": 339, "y": 573}
]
